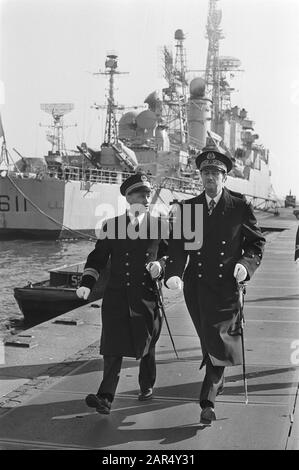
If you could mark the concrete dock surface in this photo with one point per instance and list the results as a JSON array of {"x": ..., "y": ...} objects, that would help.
[{"x": 45, "y": 377}]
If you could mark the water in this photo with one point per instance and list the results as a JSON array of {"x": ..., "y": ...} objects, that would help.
[{"x": 27, "y": 260}]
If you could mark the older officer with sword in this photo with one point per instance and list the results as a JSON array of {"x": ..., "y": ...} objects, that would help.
[{"x": 230, "y": 253}]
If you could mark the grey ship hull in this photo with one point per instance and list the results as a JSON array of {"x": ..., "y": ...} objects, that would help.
[{"x": 53, "y": 208}]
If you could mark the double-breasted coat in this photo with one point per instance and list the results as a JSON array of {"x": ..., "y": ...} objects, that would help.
[
  {"x": 230, "y": 235},
  {"x": 131, "y": 321}
]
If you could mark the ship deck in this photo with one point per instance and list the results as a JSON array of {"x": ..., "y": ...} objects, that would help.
[{"x": 43, "y": 384}]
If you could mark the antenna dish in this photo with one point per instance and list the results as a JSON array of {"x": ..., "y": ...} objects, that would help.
[
  {"x": 179, "y": 35},
  {"x": 146, "y": 119},
  {"x": 152, "y": 98},
  {"x": 128, "y": 118},
  {"x": 58, "y": 109},
  {"x": 197, "y": 87}
]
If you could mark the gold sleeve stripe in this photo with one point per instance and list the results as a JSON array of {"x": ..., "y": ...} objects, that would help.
[{"x": 91, "y": 272}]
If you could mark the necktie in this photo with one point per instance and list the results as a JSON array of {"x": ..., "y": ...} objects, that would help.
[
  {"x": 212, "y": 204},
  {"x": 135, "y": 220}
]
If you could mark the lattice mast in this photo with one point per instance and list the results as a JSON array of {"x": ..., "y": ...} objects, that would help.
[
  {"x": 180, "y": 69},
  {"x": 175, "y": 96},
  {"x": 212, "y": 73},
  {"x": 56, "y": 137},
  {"x": 111, "y": 133}
]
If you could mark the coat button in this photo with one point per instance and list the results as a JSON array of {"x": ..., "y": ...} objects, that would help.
[
  {"x": 127, "y": 254},
  {"x": 220, "y": 275},
  {"x": 171, "y": 261},
  {"x": 146, "y": 254},
  {"x": 128, "y": 283},
  {"x": 222, "y": 254},
  {"x": 127, "y": 274},
  {"x": 223, "y": 242},
  {"x": 199, "y": 264},
  {"x": 198, "y": 252},
  {"x": 127, "y": 264},
  {"x": 199, "y": 275},
  {"x": 143, "y": 283},
  {"x": 221, "y": 265}
]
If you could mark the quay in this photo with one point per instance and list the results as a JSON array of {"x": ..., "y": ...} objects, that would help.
[{"x": 49, "y": 369}]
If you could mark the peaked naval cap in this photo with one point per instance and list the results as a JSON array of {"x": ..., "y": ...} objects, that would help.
[
  {"x": 138, "y": 181},
  {"x": 213, "y": 157}
]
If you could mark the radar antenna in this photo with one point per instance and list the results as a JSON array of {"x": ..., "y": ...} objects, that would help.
[
  {"x": 56, "y": 137},
  {"x": 217, "y": 88},
  {"x": 111, "y": 64}
]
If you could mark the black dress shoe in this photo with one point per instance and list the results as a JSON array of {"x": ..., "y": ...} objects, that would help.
[
  {"x": 146, "y": 395},
  {"x": 207, "y": 415},
  {"x": 102, "y": 405}
]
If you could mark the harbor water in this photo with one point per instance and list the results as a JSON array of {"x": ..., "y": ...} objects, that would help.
[{"x": 22, "y": 261}]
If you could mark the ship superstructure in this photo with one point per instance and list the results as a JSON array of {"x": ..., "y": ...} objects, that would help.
[{"x": 67, "y": 194}]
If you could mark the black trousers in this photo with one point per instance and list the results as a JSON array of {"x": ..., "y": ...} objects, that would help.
[
  {"x": 112, "y": 368},
  {"x": 213, "y": 381}
]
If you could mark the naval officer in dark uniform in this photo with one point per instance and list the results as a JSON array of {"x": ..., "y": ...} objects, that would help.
[
  {"x": 231, "y": 251},
  {"x": 131, "y": 321}
]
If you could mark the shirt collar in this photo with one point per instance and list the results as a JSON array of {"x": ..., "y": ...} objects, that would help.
[
  {"x": 216, "y": 198},
  {"x": 140, "y": 217}
]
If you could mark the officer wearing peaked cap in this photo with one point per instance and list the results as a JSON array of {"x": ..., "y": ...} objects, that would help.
[
  {"x": 213, "y": 157},
  {"x": 231, "y": 251},
  {"x": 131, "y": 321}
]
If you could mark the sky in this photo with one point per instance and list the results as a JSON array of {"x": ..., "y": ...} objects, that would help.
[{"x": 50, "y": 48}]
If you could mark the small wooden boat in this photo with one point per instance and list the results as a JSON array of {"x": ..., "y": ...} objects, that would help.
[{"x": 49, "y": 298}]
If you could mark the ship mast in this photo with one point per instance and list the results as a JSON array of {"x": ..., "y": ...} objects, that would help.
[
  {"x": 56, "y": 138},
  {"x": 212, "y": 74},
  {"x": 175, "y": 96},
  {"x": 111, "y": 64}
]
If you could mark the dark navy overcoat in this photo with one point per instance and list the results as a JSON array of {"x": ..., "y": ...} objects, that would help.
[
  {"x": 131, "y": 320},
  {"x": 230, "y": 235}
]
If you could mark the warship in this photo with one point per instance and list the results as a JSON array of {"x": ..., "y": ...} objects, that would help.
[{"x": 68, "y": 194}]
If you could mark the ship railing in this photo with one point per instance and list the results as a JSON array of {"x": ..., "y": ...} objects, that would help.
[
  {"x": 94, "y": 175},
  {"x": 184, "y": 185},
  {"x": 263, "y": 203}
]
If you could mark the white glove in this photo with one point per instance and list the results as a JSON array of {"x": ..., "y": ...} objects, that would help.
[
  {"x": 154, "y": 268},
  {"x": 83, "y": 292},
  {"x": 240, "y": 272},
  {"x": 297, "y": 264},
  {"x": 174, "y": 282}
]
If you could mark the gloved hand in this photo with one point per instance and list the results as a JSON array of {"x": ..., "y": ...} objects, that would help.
[
  {"x": 174, "y": 282},
  {"x": 154, "y": 268},
  {"x": 297, "y": 264},
  {"x": 240, "y": 272},
  {"x": 83, "y": 292}
]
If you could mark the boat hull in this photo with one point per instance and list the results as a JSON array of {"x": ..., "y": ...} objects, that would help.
[
  {"x": 38, "y": 303},
  {"x": 53, "y": 208}
]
